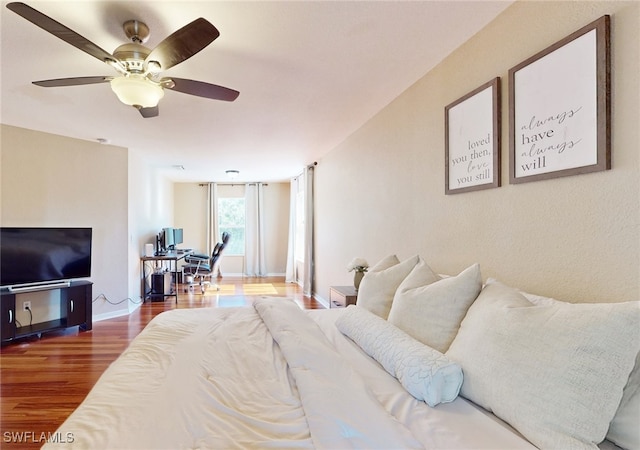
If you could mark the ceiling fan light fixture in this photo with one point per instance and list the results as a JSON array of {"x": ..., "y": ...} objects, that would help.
[
  {"x": 140, "y": 83},
  {"x": 137, "y": 91}
]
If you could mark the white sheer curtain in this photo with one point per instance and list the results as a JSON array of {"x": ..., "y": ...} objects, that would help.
[
  {"x": 256, "y": 265},
  {"x": 212, "y": 217},
  {"x": 308, "y": 270},
  {"x": 290, "y": 273}
]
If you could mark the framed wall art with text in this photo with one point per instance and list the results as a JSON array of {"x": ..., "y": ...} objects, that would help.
[
  {"x": 472, "y": 140},
  {"x": 560, "y": 108}
]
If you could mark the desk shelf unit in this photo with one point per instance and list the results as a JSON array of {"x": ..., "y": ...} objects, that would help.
[
  {"x": 75, "y": 310},
  {"x": 159, "y": 288}
]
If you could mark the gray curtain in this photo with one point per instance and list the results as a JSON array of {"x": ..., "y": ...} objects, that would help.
[
  {"x": 290, "y": 273},
  {"x": 212, "y": 217},
  {"x": 307, "y": 287},
  {"x": 255, "y": 255}
]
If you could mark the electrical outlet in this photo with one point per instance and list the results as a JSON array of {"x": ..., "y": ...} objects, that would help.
[{"x": 26, "y": 306}]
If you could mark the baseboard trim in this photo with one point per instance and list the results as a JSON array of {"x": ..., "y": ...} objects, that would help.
[
  {"x": 321, "y": 300},
  {"x": 242, "y": 275},
  {"x": 111, "y": 315}
]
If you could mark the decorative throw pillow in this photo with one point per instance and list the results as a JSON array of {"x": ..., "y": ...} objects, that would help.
[
  {"x": 431, "y": 309},
  {"x": 424, "y": 372},
  {"x": 379, "y": 285},
  {"x": 554, "y": 372},
  {"x": 385, "y": 263},
  {"x": 420, "y": 275},
  {"x": 624, "y": 429}
]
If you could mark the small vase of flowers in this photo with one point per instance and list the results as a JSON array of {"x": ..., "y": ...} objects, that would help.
[{"x": 359, "y": 266}]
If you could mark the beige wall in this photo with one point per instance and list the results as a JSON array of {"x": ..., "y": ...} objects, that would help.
[
  {"x": 50, "y": 180},
  {"x": 277, "y": 227},
  {"x": 190, "y": 214},
  {"x": 151, "y": 208},
  {"x": 576, "y": 238},
  {"x": 112, "y": 189}
]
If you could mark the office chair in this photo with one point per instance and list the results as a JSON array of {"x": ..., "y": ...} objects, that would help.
[{"x": 200, "y": 267}]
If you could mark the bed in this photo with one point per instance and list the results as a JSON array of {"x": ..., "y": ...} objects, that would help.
[{"x": 275, "y": 376}]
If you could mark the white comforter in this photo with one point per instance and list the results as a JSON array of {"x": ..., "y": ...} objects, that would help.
[{"x": 272, "y": 376}]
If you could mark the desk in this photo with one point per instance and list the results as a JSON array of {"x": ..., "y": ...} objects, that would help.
[{"x": 160, "y": 290}]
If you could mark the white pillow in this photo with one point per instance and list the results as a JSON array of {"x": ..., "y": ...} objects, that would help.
[
  {"x": 384, "y": 263},
  {"x": 554, "y": 372},
  {"x": 420, "y": 275},
  {"x": 624, "y": 429},
  {"x": 380, "y": 283},
  {"x": 431, "y": 312},
  {"x": 424, "y": 372}
]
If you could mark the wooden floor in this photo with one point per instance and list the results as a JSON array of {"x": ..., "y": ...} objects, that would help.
[{"x": 43, "y": 380}]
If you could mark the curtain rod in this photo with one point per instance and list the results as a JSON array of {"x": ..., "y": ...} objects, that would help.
[{"x": 232, "y": 184}]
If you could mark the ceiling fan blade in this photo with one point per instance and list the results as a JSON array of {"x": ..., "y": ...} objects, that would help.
[
  {"x": 77, "y": 81},
  {"x": 202, "y": 89},
  {"x": 61, "y": 31},
  {"x": 153, "y": 111},
  {"x": 184, "y": 43}
]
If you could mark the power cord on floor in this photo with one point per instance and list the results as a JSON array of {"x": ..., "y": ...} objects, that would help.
[{"x": 104, "y": 297}]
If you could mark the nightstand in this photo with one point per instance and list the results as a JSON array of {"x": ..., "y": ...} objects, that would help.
[{"x": 342, "y": 296}]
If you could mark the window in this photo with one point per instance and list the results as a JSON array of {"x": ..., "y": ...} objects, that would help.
[{"x": 231, "y": 213}]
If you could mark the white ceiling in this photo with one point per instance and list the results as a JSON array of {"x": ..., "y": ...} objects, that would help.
[{"x": 309, "y": 74}]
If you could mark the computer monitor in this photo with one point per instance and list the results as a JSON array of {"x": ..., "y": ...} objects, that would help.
[
  {"x": 168, "y": 242},
  {"x": 177, "y": 236}
]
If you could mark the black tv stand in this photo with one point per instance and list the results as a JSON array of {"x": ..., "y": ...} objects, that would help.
[{"x": 75, "y": 310}]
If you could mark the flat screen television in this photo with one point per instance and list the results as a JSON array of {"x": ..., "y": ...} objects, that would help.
[{"x": 31, "y": 256}]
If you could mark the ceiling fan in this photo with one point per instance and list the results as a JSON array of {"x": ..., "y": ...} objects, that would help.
[{"x": 139, "y": 82}]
